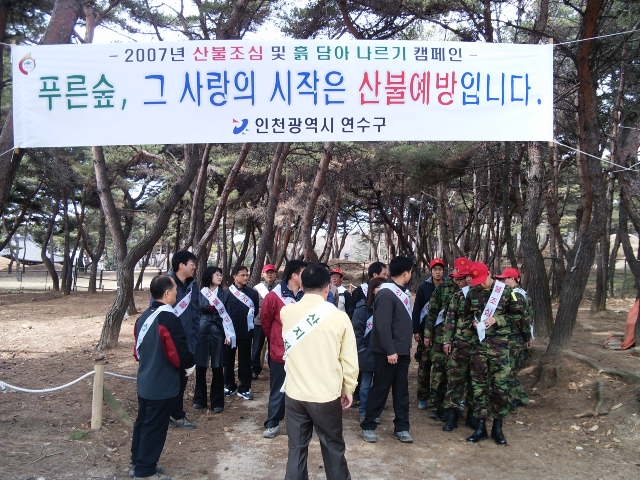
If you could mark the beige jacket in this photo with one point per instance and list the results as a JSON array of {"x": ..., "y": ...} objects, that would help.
[{"x": 323, "y": 365}]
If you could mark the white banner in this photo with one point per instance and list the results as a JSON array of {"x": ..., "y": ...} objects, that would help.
[{"x": 240, "y": 91}]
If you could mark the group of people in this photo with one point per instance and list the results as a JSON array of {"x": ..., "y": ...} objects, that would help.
[{"x": 469, "y": 331}]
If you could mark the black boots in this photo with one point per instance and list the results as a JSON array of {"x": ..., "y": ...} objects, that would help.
[
  {"x": 438, "y": 414},
  {"x": 471, "y": 422},
  {"x": 480, "y": 432},
  {"x": 496, "y": 432},
  {"x": 451, "y": 419}
]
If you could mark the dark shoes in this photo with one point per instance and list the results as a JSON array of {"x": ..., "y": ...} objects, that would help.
[
  {"x": 496, "y": 432},
  {"x": 198, "y": 405},
  {"x": 437, "y": 414},
  {"x": 404, "y": 436},
  {"x": 451, "y": 419},
  {"x": 217, "y": 409},
  {"x": 480, "y": 433}
]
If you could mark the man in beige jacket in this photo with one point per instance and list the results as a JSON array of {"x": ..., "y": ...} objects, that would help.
[{"x": 321, "y": 361}]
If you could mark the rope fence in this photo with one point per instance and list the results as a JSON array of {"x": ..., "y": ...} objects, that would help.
[{"x": 98, "y": 390}]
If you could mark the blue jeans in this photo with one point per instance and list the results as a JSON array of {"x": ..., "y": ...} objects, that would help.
[{"x": 366, "y": 380}]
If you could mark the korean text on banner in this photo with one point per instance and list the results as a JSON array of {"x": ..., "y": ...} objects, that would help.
[{"x": 238, "y": 91}]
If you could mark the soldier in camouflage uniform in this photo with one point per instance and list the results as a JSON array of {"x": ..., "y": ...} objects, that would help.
[
  {"x": 420, "y": 311},
  {"x": 459, "y": 339},
  {"x": 434, "y": 340},
  {"x": 520, "y": 338},
  {"x": 491, "y": 373}
]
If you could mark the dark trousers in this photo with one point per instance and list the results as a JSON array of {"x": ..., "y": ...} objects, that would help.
[
  {"x": 149, "y": 434},
  {"x": 275, "y": 411},
  {"x": 178, "y": 407},
  {"x": 256, "y": 349},
  {"x": 217, "y": 387},
  {"x": 389, "y": 377},
  {"x": 243, "y": 347},
  {"x": 302, "y": 417}
]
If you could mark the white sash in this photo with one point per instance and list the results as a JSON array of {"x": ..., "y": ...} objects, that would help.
[
  {"x": 182, "y": 304},
  {"x": 424, "y": 312},
  {"x": 490, "y": 308},
  {"x": 301, "y": 330},
  {"x": 401, "y": 294},
  {"x": 247, "y": 302},
  {"x": 147, "y": 324},
  {"x": 465, "y": 290},
  {"x": 286, "y": 300},
  {"x": 261, "y": 289},
  {"x": 369, "y": 326},
  {"x": 365, "y": 289},
  {"x": 227, "y": 323}
]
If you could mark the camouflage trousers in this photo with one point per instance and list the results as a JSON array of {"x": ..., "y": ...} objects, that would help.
[
  {"x": 518, "y": 396},
  {"x": 424, "y": 369},
  {"x": 438, "y": 376},
  {"x": 459, "y": 376},
  {"x": 491, "y": 378}
]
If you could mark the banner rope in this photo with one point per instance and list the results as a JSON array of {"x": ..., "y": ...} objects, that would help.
[
  {"x": 7, "y": 387},
  {"x": 622, "y": 167}
]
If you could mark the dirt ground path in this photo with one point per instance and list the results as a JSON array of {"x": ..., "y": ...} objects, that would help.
[{"x": 47, "y": 340}]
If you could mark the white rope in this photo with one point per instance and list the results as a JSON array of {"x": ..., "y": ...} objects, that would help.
[
  {"x": 595, "y": 38},
  {"x": 7, "y": 387},
  {"x": 117, "y": 375},
  {"x": 10, "y": 150},
  {"x": 622, "y": 167}
]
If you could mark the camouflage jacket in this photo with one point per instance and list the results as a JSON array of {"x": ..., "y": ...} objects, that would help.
[
  {"x": 509, "y": 306},
  {"x": 456, "y": 325},
  {"x": 522, "y": 322},
  {"x": 439, "y": 302}
]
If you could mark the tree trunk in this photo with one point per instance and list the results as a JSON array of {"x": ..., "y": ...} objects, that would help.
[
  {"x": 535, "y": 275},
  {"x": 274, "y": 187},
  {"x": 592, "y": 219},
  {"x": 48, "y": 263},
  {"x": 126, "y": 259},
  {"x": 599, "y": 303},
  {"x": 199, "y": 248},
  {"x": 310, "y": 207},
  {"x": 197, "y": 225},
  {"x": 60, "y": 29}
]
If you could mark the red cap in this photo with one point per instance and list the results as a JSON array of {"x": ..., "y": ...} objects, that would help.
[
  {"x": 463, "y": 271},
  {"x": 479, "y": 273},
  {"x": 436, "y": 261},
  {"x": 337, "y": 271},
  {"x": 268, "y": 267},
  {"x": 461, "y": 263},
  {"x": 509, "y": 272}
]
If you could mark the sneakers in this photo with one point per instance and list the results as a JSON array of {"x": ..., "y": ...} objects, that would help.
[
  {"x": 132, "y": 470},
  {"x": 182, "y": 423},
  {"x": 198, "y": 406},
  {"x": 246, "y": 395},
  {"x": 271, "y": 432},
  {"x": 369, "y": 436},
  {"x": 422, "y": 404},
  {"x": 217, "y": 409},
  {"x": 404, "y": 436},
  {"x": 155, "y": 476},
  {"x": 230, "y": 391}
]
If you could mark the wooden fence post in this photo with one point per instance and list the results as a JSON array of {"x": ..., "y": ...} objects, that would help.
[{"x": 98, "y": 392}]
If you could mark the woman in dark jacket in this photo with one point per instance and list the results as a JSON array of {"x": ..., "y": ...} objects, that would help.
[
  {"x": 210, "y": 347},
  {"x": 362, "y": 315}
]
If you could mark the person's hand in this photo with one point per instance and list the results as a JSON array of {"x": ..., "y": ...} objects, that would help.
[
  {"x": 427, "y": 342},
  {"x": 189, "y": 371},
  {"x": 529, "y": 344},
  {"x": 346, "y": 401},
  {"x": 392, "y": 359},
  {"x": 416, "y": 337},
  {"x": 227, "y": 341},
  {"x": 447, "y": 348}
]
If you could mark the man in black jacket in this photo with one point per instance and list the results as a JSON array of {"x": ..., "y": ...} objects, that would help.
[
  {"x": 391, "y": 345},
  {"x": 243, "y": 306},
  {"x": 161, "y": 348}
]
